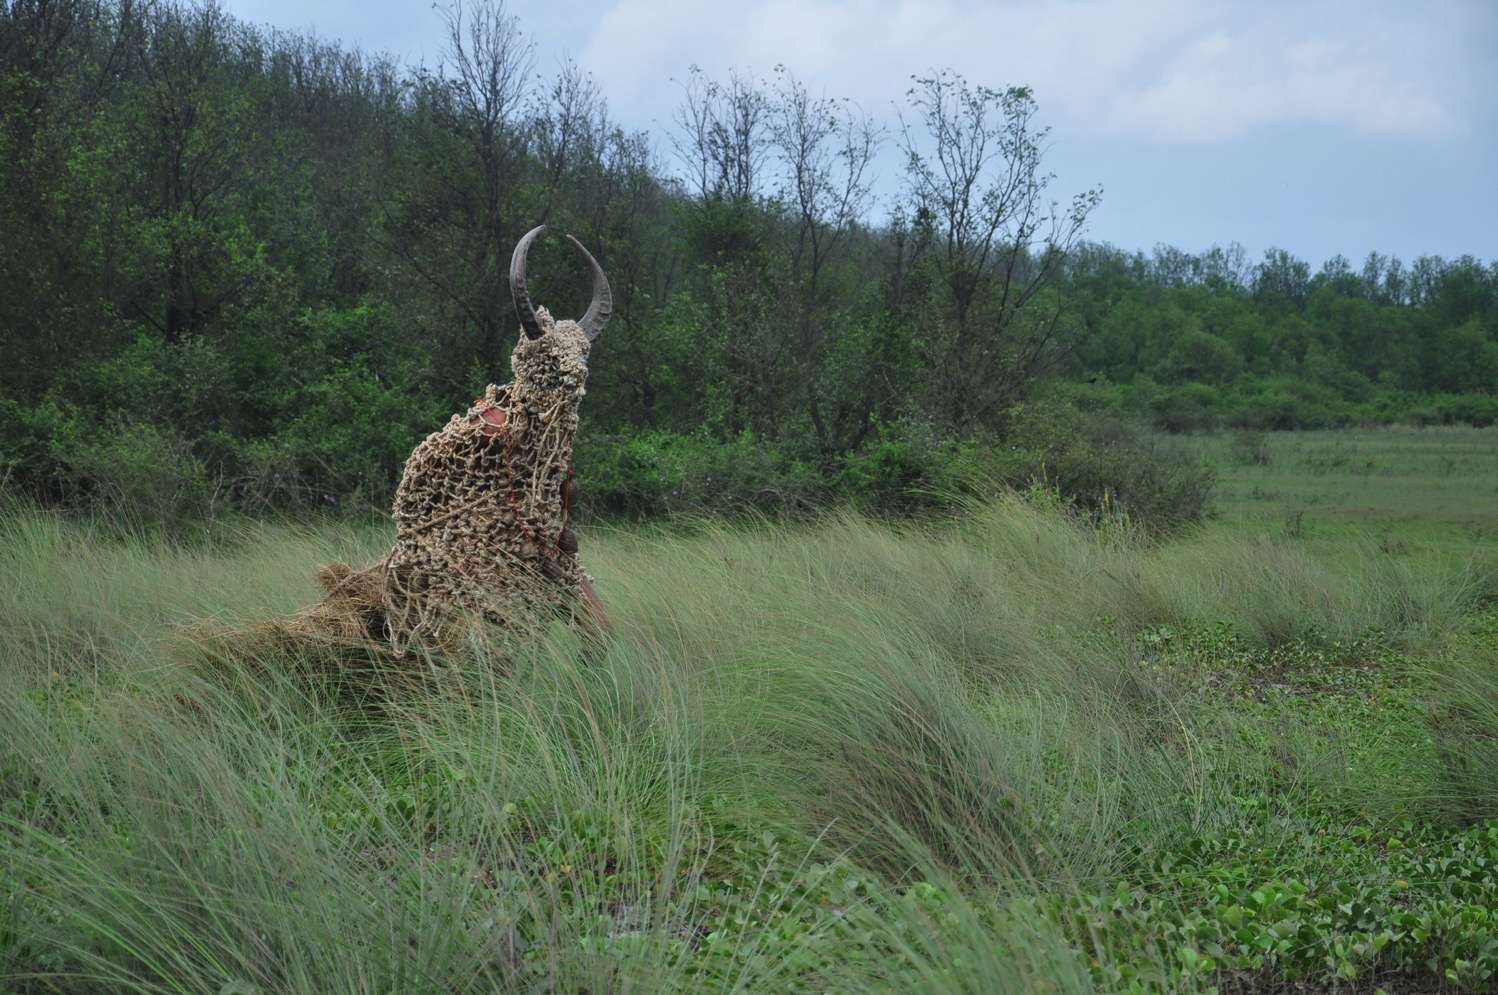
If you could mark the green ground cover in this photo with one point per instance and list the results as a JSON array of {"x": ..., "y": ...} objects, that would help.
[{"x": 1000, "y": 750}]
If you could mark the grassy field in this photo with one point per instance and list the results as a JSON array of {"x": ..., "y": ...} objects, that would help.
[
  {"x": 1001, "y": 751},
  {"x": 1436, "y": 485}
]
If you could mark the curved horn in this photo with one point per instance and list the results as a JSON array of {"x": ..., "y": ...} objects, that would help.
[
  {"x": 523, "y": 306},
  {"x": 602, "y": 307}
]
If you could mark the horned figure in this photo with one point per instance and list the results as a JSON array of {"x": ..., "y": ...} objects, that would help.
[{"x": 482, "y": 509}]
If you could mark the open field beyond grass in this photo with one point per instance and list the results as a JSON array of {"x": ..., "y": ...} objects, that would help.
[
  {"x": 1434, "y": 486},
  {"x": 1001, "y": 751}
]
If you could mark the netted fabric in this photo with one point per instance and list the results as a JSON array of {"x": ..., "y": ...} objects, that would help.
[{"x": 481, "y": 516}]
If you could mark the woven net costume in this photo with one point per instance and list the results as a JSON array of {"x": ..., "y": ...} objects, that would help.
[{"x": 481, "y": 511}]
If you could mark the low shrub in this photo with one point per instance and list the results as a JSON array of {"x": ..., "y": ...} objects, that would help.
[
  {"x": 142, "y": 475},
  {"x": 1099, "y": 461},
  {"x": 1479, "y": 410},
  {"x": 662, "y": 473},
  {"x": 1191, "y": 407}
]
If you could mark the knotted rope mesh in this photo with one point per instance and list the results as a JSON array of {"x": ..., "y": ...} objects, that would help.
[{"x": 481, "y": 518}]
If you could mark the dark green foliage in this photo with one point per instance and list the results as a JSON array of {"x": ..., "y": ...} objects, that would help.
[
  {"x": 1098, "y": 461},
  {"x": 907, "y": 465},
  {"x": 1273, "y": 347},
  {"x": 658, "y": 473},
  {"x": 1188, "y": 408}
]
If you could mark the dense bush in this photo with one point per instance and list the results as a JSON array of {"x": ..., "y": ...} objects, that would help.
[
  {"x": 1190, "y": 407},
  {"x": 1097, "y": 459},
  {"x": 1480, "y": 410},
  {"x": 659, "y": 473}
]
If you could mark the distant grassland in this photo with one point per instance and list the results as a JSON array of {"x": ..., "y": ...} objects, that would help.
[
  {"x": 999, "y": 751},
  {"x": 1433, "y": 487}
]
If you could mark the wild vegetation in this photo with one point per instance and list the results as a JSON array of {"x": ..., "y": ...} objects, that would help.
[
  {"x": 1005, "y": 750},
  {"x": 248, "y": 269},
  {"x": 1023, "y": 710}
]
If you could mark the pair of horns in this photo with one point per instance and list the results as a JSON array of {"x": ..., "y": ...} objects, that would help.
[{"x": 598, "y": 312}]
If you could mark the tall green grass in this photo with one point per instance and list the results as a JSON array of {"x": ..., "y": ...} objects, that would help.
[{"x": 847, "y": 756}]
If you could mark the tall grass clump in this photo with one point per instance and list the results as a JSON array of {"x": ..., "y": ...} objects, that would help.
[
  {"x": 235, "y": 829},
  {"x": 1464, "y": 718},
  {"x": 1275, "y": 591}
]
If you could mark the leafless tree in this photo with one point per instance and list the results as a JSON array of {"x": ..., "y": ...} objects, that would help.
[
  {"x": 722, "y": 138},
  {"x": 479, "y": 98},
  {"x": 826, "y": 148},
  {"x": 974, "y": 165},
  {"x": 491, "y": 62},
  {"x": 570, "y": 125}
]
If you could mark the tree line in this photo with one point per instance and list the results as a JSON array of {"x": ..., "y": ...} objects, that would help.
[
  {"x": 249, "y": 268},
  {"x": 1209, "y": 340}
]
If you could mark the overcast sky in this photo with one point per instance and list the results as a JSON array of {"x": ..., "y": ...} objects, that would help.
[{"x": 1316, "y": 126}]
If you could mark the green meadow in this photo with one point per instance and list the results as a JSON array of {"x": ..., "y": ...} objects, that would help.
[
  {"x": 1431, "y": 486},
  {"x": 1000, "y": 749}
]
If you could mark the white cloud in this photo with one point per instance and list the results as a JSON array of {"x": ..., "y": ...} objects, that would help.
[
  {"x": 1182, "y": 71},
  {"x": 1230, "y": 80},
  {"x": 1176, "y": 70}
]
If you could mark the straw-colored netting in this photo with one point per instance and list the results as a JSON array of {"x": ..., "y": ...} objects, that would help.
[{"x": 481, "y": 517}]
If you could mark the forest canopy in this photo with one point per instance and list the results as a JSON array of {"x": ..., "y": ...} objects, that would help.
[{"x": 248, "y": 268}]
